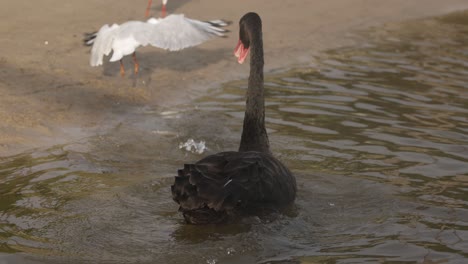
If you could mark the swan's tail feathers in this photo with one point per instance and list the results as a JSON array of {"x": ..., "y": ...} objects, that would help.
[
  {"x": 89, "y": 38},
  {"x": 200, "y": 199}
]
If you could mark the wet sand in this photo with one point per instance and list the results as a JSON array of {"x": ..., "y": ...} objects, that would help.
[{"x": 50, "y": 95}]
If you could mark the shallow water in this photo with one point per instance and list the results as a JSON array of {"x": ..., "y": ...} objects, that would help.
[{"x": 377, "y": 136}]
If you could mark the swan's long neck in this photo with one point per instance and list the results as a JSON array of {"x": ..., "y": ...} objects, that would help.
[{"x": 254, "y": 134}]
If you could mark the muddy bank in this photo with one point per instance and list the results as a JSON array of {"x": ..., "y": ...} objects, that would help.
[{"x": 50, "y": 95}]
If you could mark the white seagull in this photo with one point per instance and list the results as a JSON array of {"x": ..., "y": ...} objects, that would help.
[{"x": 175, "y": 32}]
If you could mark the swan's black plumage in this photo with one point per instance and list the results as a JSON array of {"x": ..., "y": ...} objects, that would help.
[{"x": 231, "y": 183}]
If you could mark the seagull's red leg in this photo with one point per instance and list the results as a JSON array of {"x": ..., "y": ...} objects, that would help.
[
  {"x": 163, "y": 11},
  {"x": 148, "y": 8},
  {"x": 136, "y": 63},
  {"x": 122, "y": 70}
]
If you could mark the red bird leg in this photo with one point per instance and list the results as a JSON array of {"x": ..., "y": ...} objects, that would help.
[
  {"x": 148, "y": 8},
  {"x": 136, "y": 63},
  {"x": 163, "y": 11},
  {"x": 122, "y": 70}
]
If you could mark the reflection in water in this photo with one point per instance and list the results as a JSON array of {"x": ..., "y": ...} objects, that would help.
[{"x": 377, "y": 136}]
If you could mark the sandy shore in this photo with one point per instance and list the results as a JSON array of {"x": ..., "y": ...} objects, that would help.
[{"x": 50, "y": 95}]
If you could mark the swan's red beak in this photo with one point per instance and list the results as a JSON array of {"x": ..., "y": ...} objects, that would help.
[{"x": 241, "y": 52}]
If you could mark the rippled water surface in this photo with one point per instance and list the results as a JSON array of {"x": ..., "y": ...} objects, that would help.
[{"x": 377, "y": 136}]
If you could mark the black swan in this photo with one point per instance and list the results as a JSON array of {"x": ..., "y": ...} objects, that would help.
[{"x": 230, "y": 183}]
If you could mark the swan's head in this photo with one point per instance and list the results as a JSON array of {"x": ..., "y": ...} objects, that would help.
[{"x": 249, "y": 25}]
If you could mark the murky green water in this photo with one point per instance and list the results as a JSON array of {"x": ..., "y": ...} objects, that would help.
[{"x": 377, "y": 136}]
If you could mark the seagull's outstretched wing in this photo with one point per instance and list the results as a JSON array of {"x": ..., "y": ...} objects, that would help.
[
  {"x": 176, "y": 32},
  {"x": 103, "y": 43}
]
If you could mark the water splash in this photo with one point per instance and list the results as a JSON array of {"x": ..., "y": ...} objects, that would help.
[{"x": 194, "y": 147}]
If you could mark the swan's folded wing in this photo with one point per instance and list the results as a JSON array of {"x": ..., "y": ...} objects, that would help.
[
  {"x": 229, "y": 182},
  {"x": 177, "y": 32},
  {"x": 229, "y": 179},
  {"x": 103, "y": 43}
]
